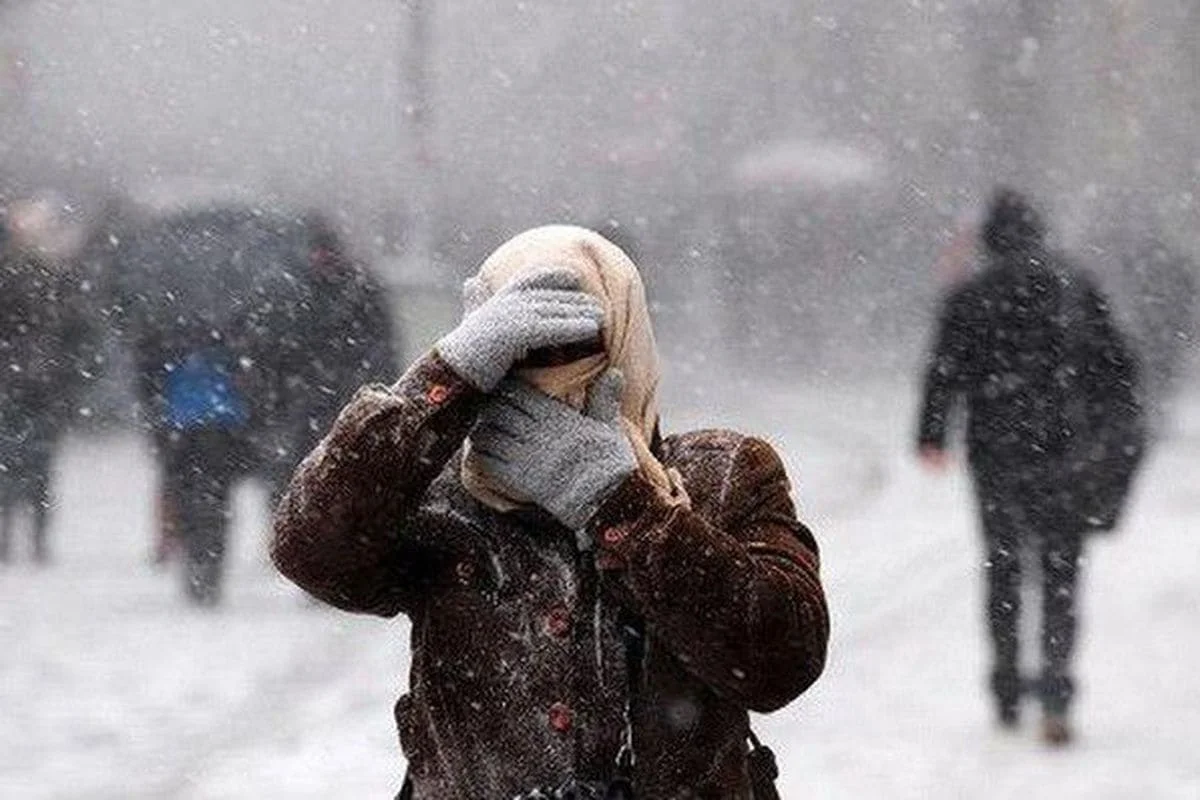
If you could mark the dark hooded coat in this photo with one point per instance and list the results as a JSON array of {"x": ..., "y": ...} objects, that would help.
[
  {"x": 1031, "y": 347},
  {"x": 526, "y": 651}
]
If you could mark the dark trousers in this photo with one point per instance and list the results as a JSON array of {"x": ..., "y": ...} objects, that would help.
[
  {"x": 27, "y": 449},
  {"x": 1023, "y": 532},
  {"x": 200, "y": 469}
]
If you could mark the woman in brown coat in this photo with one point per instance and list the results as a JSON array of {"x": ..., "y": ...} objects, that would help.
[{"x": 592, "y": 605}]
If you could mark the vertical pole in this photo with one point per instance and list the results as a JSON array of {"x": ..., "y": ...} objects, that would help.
[
  {"x": 1122, "y": 84},
  {"x": 427, "y": 297},
  {"x": 416, "y": 74}
]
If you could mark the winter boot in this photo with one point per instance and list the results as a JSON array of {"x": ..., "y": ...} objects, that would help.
[
  {"x": 1056, "y": 731},
  {"x": 1056, "y": 691}
]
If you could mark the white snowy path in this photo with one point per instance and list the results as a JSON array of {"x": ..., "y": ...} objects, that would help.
[{"x": 109, "y": 688}]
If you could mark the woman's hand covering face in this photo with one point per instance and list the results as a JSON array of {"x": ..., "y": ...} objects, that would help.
[
  {"x": 543, "y": 309},
  {"x": 564, "y": 460}
]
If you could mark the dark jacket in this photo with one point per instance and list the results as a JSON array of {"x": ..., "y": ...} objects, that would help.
[
  {"x": 46, "y": 332},
  {"x": 1032, "y": 348},
  {"x": 520, "y": 672},
  {"x": 349, "y": 340},
  {"x": 341, "y": 337}
]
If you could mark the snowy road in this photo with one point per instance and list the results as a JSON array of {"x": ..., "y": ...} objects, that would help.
[{"x": 109, "y": 688}]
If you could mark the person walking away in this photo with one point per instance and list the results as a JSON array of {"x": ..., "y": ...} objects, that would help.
[
  {"x": 1052, "y": 416},
  {"x": 595, "y": 607},
  {"x": 205, "y": 418}
]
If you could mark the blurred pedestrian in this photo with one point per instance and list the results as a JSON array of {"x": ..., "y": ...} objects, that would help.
[
  {"x": 45, "y": 331},
  {"x": 203, "y": 456},
  {"x": 1053, "y": 436},
  {"x": 209, "y": 306},
  {"x": 594, "y": 607},
  {"x": 343, "y": 337}
]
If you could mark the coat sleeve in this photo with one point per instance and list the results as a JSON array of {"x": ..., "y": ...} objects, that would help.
[
  {"x": 742, "y": 607},
  {"x": 341, "y": 529},
  {"x": 945, "y": 374}
]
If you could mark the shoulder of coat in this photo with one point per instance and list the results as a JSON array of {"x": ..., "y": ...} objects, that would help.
[
  {"x": 706, "y": 450},
  {"x": 703, "y": 441},
  {"x": 710, "y": 440},
  {"x": 714, "y": 463}
]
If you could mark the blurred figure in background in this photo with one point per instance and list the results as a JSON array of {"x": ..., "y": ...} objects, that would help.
[
  {"x": 46, "y": 333},
  {"x": 344, "y": 337},
  {"x": 207, "y": 305},
  {"x": 203, "y": 455},
  {"x": 249, "y": 329},
  {"x": 1052, "y": 435}
]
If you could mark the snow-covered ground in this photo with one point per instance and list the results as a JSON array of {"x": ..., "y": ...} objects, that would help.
[{"x": 111, "y": 688}]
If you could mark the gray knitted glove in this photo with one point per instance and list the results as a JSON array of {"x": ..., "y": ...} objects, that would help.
[
  {"x": 542, "y": 309},
  {"x": 566, "y": 462}
]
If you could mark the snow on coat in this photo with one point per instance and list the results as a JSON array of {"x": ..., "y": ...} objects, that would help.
[{"x": 520, "y": 676}]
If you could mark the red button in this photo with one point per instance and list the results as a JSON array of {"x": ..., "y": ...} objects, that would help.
[
  {"x": 437, "y": 394},
  {"x": 560, "y": 717},
  {"x": 558, "y": 622},
  {"x": 614, "y": 535}
]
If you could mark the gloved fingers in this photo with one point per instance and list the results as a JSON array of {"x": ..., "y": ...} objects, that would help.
[
  {"x": 565, "y": 299},
  {"x": 568, "y": 310},
  {"x": 604, "y": 397},
  {"x": 581, "y": 307},
  {"x": 498, "y": 443},
  {"x": 553, "y": 332},
  {"x": 500, "y": 421},
  {"x": 490, "y": 453},
  {"x": 562, "y": 295},
  {"x": 474, "y": 294},
  {"x": 534, "y": 406},
  {"x": 492, "y": 464},
  {"x": 498, "y": 428},
  {"x": 545, "y": 277}
]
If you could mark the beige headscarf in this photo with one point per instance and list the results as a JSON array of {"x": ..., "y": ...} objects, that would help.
[{"x": 608, "y": 274}]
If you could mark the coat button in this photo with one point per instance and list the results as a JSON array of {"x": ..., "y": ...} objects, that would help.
[
  {"x": 465, "y": 570},
  {"x": 558, "y": 622},
  {"x": 560, "y": 717},
  {"x": 437, "y": 394},
  {"x": 614, "y": 535}
]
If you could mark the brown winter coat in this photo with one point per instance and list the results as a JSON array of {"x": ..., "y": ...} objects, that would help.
[{"x": 519, "y": 669}]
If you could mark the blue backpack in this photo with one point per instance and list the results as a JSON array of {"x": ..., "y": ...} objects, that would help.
[{"x": 200, "y": 393}]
